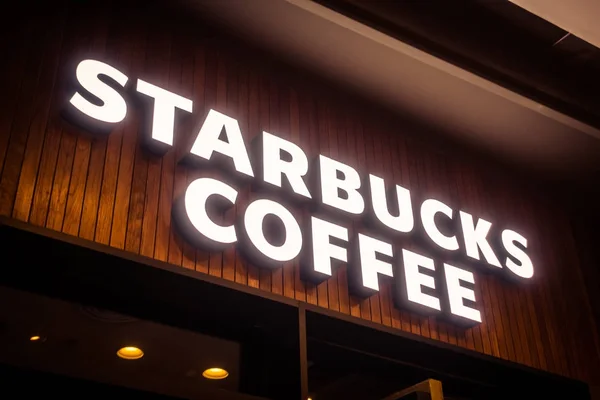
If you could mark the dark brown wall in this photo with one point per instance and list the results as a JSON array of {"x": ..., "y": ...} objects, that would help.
[{"x": 109, "y": 190}]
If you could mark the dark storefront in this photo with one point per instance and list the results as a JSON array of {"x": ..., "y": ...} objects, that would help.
[{"x": 172, "y": 223}]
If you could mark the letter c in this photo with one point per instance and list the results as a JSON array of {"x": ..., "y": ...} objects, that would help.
[
  {"x": 195, "y": 206},
  {"x": 429, "y": 209}
]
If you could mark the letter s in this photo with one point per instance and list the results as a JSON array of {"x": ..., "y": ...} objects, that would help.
[
  {"x": 525, "y": 268},
  {"x": 114, "y": 108}
]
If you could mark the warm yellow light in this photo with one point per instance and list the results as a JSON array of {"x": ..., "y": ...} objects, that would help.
[
  {"x": 215, "y": 373},
  {"x": 130, "y": 353},
  {"x": 35, "y": 338}
]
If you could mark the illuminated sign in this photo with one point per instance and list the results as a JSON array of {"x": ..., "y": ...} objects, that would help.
[{"x": 268, "y": 232}]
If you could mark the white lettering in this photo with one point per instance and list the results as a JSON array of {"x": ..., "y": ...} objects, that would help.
[
  {"x": 525, "y": 270},
  {"x": 113, "y": 108},
  {"x": 429, "y": 209},
  {"x": 208, "y": 141},
  {"x": 458, "y": 293},
  {"x": 253, "y": 223},
  {"x": 415, "y": 280},
  {"x": 274, "y": 167},
  {"x": 196, "y": 197},
  {"x": 404, "y": 221},
  {"x": 476, "y": 238},
  {"x": 330, "y": 185},
  {"x": 323, "y": 250},
  {"x": 163, "y": 116},
  {"x": 283, "y": 163},
  {"x": 370, "y": 266}
]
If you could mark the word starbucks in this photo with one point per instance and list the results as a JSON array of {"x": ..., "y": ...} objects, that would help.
[{"x": 270, "y": 234}]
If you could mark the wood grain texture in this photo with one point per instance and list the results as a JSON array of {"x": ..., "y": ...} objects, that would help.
[{"x": 109, "y": 189}]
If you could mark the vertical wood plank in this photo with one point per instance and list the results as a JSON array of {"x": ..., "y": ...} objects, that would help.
[
  {"x": 477, "y": 189},
  {"x": 589, "y": 361},
  {"x": 200, "y": 257},
  {"x": 368, "y": 140},
  {"x": 118, "y": 51},
  {"x": 76, "y": 190},
  {"x": 45, "y": 174},
  {"x": 473, "y": 335},
  {"x": 577, "y": 334},
  {"x": 513, "y": 297},
  {"x": 479, "y": 277},
  {"x": 124, "y": 186},
  {"x": 158, "y": 50},
  {"x": 328, "y": 136},
  {"x": 503, "y": 322},
  {"x": 542, "y": 345},
  {"x": 285, "y": 129},
  {"x": 361, "y": 157},
  {"x": 266, "y": 274},
  {"x": 254, "y": 127},
  {"x": 400, "y": 175},
  {"x": 167, "y": 173},
  {"x": 274, "y": 127},
  {"x": 62, "y": 180},
  {"x": 410, "y": 178},
  {"x": 351, "y": 148},
  {"x": 230, "y": 103},
  {"x": 241, "y": 265},
  {"x": 74, "y": 212},
  {"x": 55, "y": 209},
  {"x": 299, "y": 137},
  {"x": 378, "y": 168},
  {"x": 241, "y": 270},
  {"x": 182, "y": 83},
  {"x": 16, "y": 66},
  {"x": 91, "y": 196},
  {"x": 499, "y": 323},
  {"x": 433, "y": 187},
  {"x": 387, "y": 155},
  {"x": 322, "y": 136},
  {"x": 419, "y": 324},
  {"x": 528, "y": 318},
  {"x": 525, "y": 345},
  {"x": 528, "y": 321},
  {"x": 308, "y": 116},
  {"x": 89, "y": 214},
  {"x": 341, "y": 144},
  {"x": 554, "y": 297},
  {"x": 139, "y": 178},
  {"x": 446, "y": 178},
  {"x": 24, "y": 111},
  {"x": 215, "y": 97},
  {"x": 515, "y": 309},
  {"x": 39, "y": 117},
  {"x": 493, "y": 299},
  {"x": 544, "y": 296}
]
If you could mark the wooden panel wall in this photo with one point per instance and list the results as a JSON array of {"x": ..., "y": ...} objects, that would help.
[{"x": 107, "y": 189}]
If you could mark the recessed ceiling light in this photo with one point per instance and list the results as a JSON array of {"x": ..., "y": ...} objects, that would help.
[
  {"x": 130, "y": 353},
  {"x": 35, "y": 338},
  {"x": 215, "y": 373}
]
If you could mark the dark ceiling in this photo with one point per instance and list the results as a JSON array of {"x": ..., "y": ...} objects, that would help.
[{"x": 497, "y": 40}]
